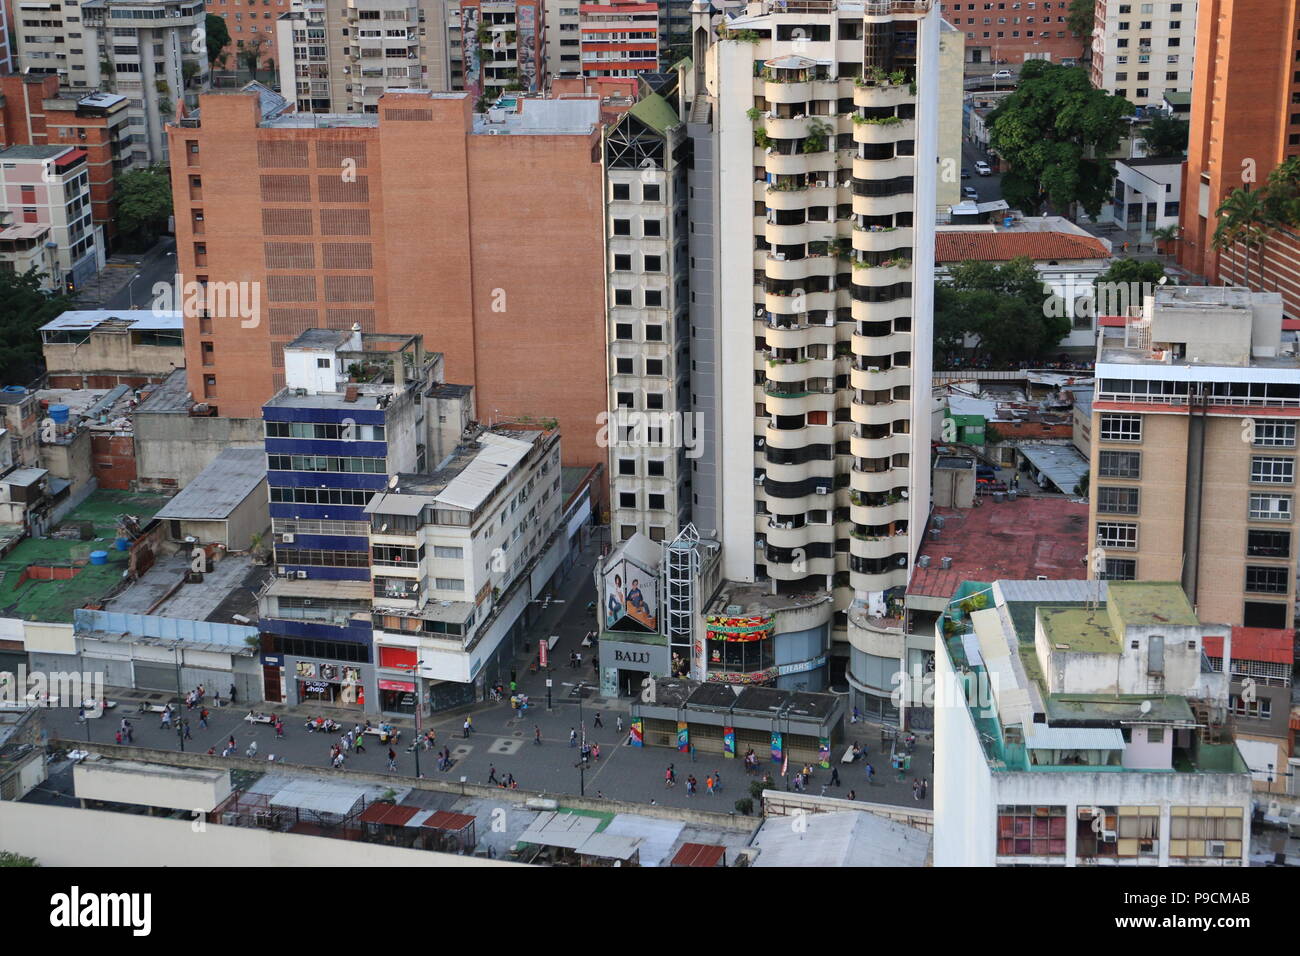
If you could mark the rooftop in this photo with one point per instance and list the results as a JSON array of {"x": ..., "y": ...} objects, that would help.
[
  {"x": 953, "y": 246},
  {"x": 229, "y": 587},
  {"x": 54, "y": 601},
  {"x": 33, "y": 152},
  {"x": 1062, "y": 465},
  {"x": 1079, "y": 630},
  {"x": 1267, "y": 644},
  {"x": 138, "y": 320},
  {"x": 757, "y": 599},
  {"x": 1082, "y": 710},
  {"x": 1151, "y": 604},
  {"x": 220, "y": 488},
  {"x": 1011, "y": 539},
  {"x": 171, "y": 397},
  {"x": 466, "y": 479}
]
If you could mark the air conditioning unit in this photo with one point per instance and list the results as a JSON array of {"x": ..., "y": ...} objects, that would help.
[
  {"x": 286, "y": 538},
  {"x": 302, "y": 574},
  {"x": 1108, "y": 836},
  {"x": 1214, "y": 848},
  {"x": 758, "y": 479},
  {"x": 823, "y": 490},
  {"x": 779, "y": 256},
  {"x": 282, "y": 572}
]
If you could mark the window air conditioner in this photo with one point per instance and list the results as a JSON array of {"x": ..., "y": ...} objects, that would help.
[
  {"x": 302, "y": 574},
  {"x": 282, "y": 572},
  {"x": 823, "y": 490},
  {"x": 1108, "y": 836},
  {"x": 1214, "y": 848},
  {"x": 286, "y": 538}
]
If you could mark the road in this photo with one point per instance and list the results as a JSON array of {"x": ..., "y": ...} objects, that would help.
[
  {"x": 988, "y": 187},
  {"x": 114, "y": 287}
]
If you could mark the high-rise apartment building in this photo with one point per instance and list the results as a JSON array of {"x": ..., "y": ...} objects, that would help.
[
  {"x": 145, "y": 50},
  {"x": 619, "y": 39},
  {"x": 1245, "y": 121},
  {"x": 650, "y": 430},
  {"x": 563, "y": 42},
  {"x": 996, "y": 34},
  {"x": 497, "y": 46},
  {"x": 423, "y": 218},
  {"x": 1193, "y": 453},
  {"x": 6, "y": 50},
  {"x": 339, "y": 57},
  {"x": 253, "y": 32},
  {"x": 33, "y": 112},
  {"x": 1143, "y": 50},
  {"x": 48, "y": 188},
  {"x": 812, "y": 288}
]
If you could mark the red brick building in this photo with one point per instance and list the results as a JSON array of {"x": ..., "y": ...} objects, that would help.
[
  {"x": 1010, "y": 31},
  {"x": 1245, "y": 121},
  {"x": 485, "y": 237},
  {"x": 33, "y": 112}
]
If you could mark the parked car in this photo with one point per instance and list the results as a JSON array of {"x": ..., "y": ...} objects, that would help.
[
  {"x": 983, "y": 168},
  {"x": 1002, "y": 75},
  {"x": 965, "y": 173},
  {"x": 987, "y": 472},
  {"x": 970, "y": 192}
]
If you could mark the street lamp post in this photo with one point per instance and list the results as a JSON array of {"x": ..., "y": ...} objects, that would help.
[
  {"x": 180, "y": 727},
  {"x": 130, "y": 289},
  {"x": 582, "y": 746}
]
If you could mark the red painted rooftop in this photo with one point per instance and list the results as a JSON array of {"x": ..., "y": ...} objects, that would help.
[
  {"x": 1268, "y": 644},
  {"x": 1003, "y": 246},
  {"x": 1014, "y": 541}
]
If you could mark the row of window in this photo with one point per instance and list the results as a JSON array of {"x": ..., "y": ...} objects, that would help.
[
  {"x": 321, "y": 496},
  {"x": 344, "y": 432},
  {"x": 327, "y": 463}
]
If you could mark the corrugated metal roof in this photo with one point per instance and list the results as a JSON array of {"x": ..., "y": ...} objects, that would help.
[
  {"x": 1062, "y": 464},
  {"x": 490, "y": 467},
  {"x": 1046, "y": 737},
  {"x": 1012, "y": 699},
  {"x": 319, "y": 796},
  {"x": 1049, "y": 592},
  {"x": 219, "y": 488},
  {"x": 569, "y": 830},
  {"x": 140, "y": 320}
]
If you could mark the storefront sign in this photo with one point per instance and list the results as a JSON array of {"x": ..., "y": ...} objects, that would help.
[
  {"x": 628, "y": 656},
  {"x": 776, "y": 748},
  {"x": 683, "y": 737},
  {"x": 306, "y": 669},
  {"x": 801, "y": 666},
  {"x": 315, "y": 687},
  {"x": 638, "y": 733},
  {"x": 396, "y": 685},
  {"x": 729, "y": 742}
]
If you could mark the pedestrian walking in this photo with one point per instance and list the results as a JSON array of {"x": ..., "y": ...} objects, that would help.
[
  {"x": 670, "y": 777},
  {"x": 857, "y": 715},
  {"x": 708, "y": 783},
  {"x": 916, "y": 789},
  {"x": 359, "y": 743},
  {"x": 232, "y": 741},
  {"x": 392, "y": 759},
  {"x": 835, "y": 776},
  {"x": 925, "y": 787},
  {"x": 130, "y": 731},
  {"x": 595, "y": 751},
  {"x": 717, "y": 780},
  {"x": 203, "y": 719},
  {"x": 118, "y": 737},
  {"x": 871, "y": 772},
  {"x": 492, "y": 774},
  {"x": 619, "y": 720},
  {"x": 691, "y": 747},
  {"x": 537, "y": 735},
  {"x": 598, "y": 722},
  {"x": 467, "y": 728},
  {"x": 186, "y": 725},
  {"x": 573, "y": 737},
  {"x": 252, "y": 749},
  {"x": 232, "y": 694},
  {"x": 853, "y": 794}
]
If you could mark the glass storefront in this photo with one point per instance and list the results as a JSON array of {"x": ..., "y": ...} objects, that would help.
[
  {"x": 328, "y": 683},
  {"x": 396, "y": 697}
]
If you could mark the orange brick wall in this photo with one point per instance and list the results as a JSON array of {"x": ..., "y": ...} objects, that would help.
[{"x": 453, "y": 218}]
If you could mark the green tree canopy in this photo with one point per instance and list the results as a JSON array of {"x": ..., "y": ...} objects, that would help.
[
  {"x": 1079, "y": 19},
  {"x": 1004, "y": 307},
  {"x": 1165, "y": 136},
  {"x": 1054, "y": 132},
  {"x": 217, "y": 38},
  {"x": 1133, "y": 270},
  {"x": 24, "y": 308},
  {"x": 143, "y": 199}
]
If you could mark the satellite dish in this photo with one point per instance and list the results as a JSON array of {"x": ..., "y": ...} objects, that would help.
[
  {"x": 1146, "y": 706},
  {"x": 392, "y": 481}
]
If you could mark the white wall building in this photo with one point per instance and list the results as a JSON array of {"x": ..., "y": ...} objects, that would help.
[
  {"x": 563, "y": 39},
  {"x": 1076, "y": 732},
  {"x": 1143, "y": 50},
  {"x": 50, "y": 186},
  {"x": 1146, "y": 196}
]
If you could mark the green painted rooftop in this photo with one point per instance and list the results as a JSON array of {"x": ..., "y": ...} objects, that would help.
[
  {"x": 1067, "y": 708},
  {"x": 1151, "y": 604},
  {"x": 54, "y": 601},
  {"x": 656, "y": 112},
  {"x": 1082, "y": 630}
]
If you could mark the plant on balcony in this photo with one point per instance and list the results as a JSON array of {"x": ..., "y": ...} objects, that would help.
[
  {"x": 761, "y": 139},
  {"x": 484, "y": 35},
  {"x": 911, "y": 87},
  {"x": 816, "y": 140},
  {"x": 842, "y": 349},
  {"x": 740, "y": 36},
  {"x": 876, "y": 120},
  {"x": 976, "y": 602},
  {"x": 898, "y": 77}
]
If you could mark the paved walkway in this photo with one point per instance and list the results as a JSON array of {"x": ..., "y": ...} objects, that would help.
[{"x": 504, "y": 740}]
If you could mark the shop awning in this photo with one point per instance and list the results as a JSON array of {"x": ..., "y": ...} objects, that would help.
[
  {"x": 568, "y": 830},
  {"x": 607, "y": 846},
  {"x": 451, "y": 822},
  {"x": 389, "y": 814}
]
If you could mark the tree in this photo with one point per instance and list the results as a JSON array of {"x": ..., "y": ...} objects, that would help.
[
  {"x": 143, "y": 200},
  {"x": 13, "y": 859},
  {"x": 1003, "y": 306},
  {"x": 1079, "y": 19},
  {"x": 217, "y": 39},
  {"x": 1125, "y": 285},
  {"x": 1132, "y": 271},
  {"x": 1055, "y": 131},
  {"x": 1165, "y": 136},
  {"x": 1081, "y": 488},
  {"x": 252, "y": 53},
  {"x": 1166, "y": 236},
  {"x": 1243, "y": 218},
  {"x": 1282, "y": 194},
  {"x": 24, "y": 308}
]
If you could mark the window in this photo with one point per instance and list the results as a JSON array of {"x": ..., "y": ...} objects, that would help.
[
  {"x": 622, "y": 227},
  {"x": 653, "y": 264},
  {"x": 654, "y": 298},
  {"x": 1272, "y": 471},
  {"x": 627, "y": 466},
  {"x": 450, "y": 584},
  {"x": 622, "y": 191},
  {"x": 656, "y": 502},
  {"x": 1121, "y": 427},
  {"x": 1119, "y": 569},
  {"x": 324, "y": 363},
  {"x": 624, "y": 366},
  {"x": 655, "y": 469},
  {"x": 441, "y": 551},
  {"x": 1268, "y": 544},
  {"x": 1266, "y": 580},
  {"x": 1119, "y": 464},
  {"x": 1117, "y": 534},
  {"x": 623, "y": 297},
  {"x": 623, "y": 330},
  {"x": 623, "y": 262},
  {"x": 1205, "y": 832},
  {"x": 1275, "y": 432},
  {"x": 654, "y": 333},
  {"x": 1031, "y": 831},
  {"x": 1260, "y": 709},
  {"x": 654, "y": 366},
  {"x": 627, "y": 499},
  {"x": 651, "y": 227},
  {"x": 1270, "y": 507},
  {"x": 1117, "y": 501},
  {"x": 650, "y": 192}
]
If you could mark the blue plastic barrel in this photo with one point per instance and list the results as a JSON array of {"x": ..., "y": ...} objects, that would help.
[
  {"x": 99, "y": 557},
  {"x": 121, "y": 544},
  {"x": 59, "y": 414},
  {"x": 1007, "y": 221}
]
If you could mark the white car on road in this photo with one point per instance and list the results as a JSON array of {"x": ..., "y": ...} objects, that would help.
[
  {"x": 1003, "y": 75},
  {"x": 983, "y": 169}
]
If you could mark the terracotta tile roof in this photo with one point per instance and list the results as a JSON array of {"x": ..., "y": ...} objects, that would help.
[
  {"x": 1002, "y": 246},
  {"x": 1267, "y": 644}
]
